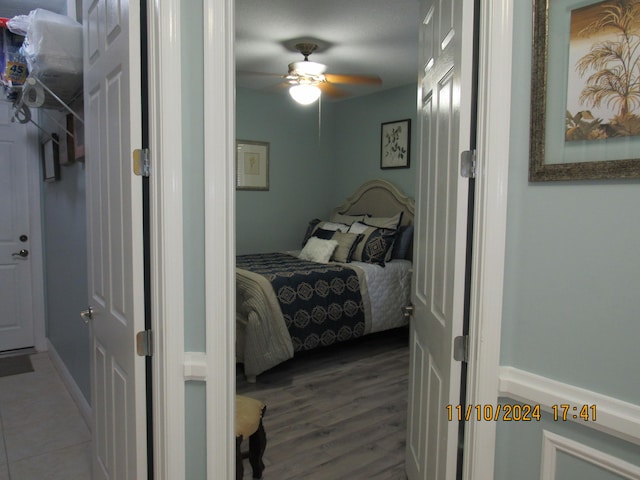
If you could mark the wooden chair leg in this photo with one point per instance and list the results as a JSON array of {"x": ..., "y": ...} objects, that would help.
[
  {"x": 257, "y": 446},
  {"x": 239, "y": 465}
]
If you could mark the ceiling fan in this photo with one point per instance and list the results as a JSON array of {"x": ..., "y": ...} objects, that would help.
[{"x": 307, "y": 79}]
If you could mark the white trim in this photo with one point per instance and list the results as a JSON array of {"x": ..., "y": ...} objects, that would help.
[
  {"x": 35, "y": 241},
  {"x": 494, "y": 78},
  {"x": 613, "y": 416},
  {"x": 195, "y": 366},
  {"x": 71, "y": 9},
  {"x": 219, "y": 213},
  {"x": 553, "y": 443},
  {"x": 167, "y": 285},
  {"x": 72, "y": 386}
]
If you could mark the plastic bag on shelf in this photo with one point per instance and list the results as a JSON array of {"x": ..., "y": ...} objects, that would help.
[
  {"x": 13, "y": 65},
  {"x": 53, "y": 50},
  {"x": 53, "y": 42}
]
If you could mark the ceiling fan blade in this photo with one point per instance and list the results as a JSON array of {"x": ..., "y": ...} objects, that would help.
[
  {"x": 277, "y": 88},
  {"x": 259, "y": 74},
  {"x": 332, "y": 91},
  {"x": 353, "y": 79}
]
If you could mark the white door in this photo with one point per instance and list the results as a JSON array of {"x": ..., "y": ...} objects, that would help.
[
  {"x": 16, "y": 302},
  {"x": 112, "y": 106},
  {"x": 446, "y": 49}
]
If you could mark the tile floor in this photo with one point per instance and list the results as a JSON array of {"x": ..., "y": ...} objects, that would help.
[{"x": 42, "y": 434}]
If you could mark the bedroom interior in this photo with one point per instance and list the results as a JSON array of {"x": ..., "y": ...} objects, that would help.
[
  {"x": 569, "y": 310},
  {"x": 319, "y": 155}
]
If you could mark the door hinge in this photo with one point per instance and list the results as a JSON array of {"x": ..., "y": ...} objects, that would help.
[
  {"x": 468, "y": 164},
  {"x": 144, "y": 347},
  {"x": 141, "y": 162},
  {"x": 461, "y": 348}
]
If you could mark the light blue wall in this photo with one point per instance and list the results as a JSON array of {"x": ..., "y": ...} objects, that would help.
[
  {"x": 356, "y": 148},
  {"x": 519, "y": 445},
  {"x": 65, "y": 257},
  {"x": 312, "y": 171},
  {"x": 193, "y": 226},
  {"x": 571, "y": 303},
  {"x": 299, "y": 171}
]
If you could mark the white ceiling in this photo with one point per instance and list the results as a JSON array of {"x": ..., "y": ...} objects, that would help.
[
  {"x": 356, "y": 37},
  {"x": 378, "y": 37}
]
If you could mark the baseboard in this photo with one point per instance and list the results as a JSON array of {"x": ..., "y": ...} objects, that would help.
[
  {"x": 614, "y": 417},
  {"x": 72, "y": 386}
]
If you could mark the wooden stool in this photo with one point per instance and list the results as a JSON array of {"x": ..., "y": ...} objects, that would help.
[{"x": 249, "y": 413}]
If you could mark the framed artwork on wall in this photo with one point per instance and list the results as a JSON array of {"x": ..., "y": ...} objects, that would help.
[
  {"x": 66, "y": 150},
  {"x": 51, "y": 159},
  {"x": 252, "y": 165},
  {"x": 76, "y": 127},
  {"x": 585, "y": 112},
  {"x": 395, "y": 143}
]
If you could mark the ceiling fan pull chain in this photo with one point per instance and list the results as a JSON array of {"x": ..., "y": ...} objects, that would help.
[{"x": 319, "y": 117}]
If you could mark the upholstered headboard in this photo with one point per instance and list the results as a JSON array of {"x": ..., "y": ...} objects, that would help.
[{"x": 379, "y": 198}]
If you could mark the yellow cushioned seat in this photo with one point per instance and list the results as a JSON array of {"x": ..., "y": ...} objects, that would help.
[{"x": 249, "y": 413}]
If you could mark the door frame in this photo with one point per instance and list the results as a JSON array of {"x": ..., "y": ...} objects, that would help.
[
  {"x": 490, "y": 216},
  {"x": 172, "y": 366},
  {"x": 165, "y": 204},
  {"x": 218, "y": 367},
  {"x": 36, "y": 246}
]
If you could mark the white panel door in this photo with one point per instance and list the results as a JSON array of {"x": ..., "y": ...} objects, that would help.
[
  {"x": 16, "y": 300},
  {"x": 441, "y": 225},
  {"x": 112, "y": 105}
]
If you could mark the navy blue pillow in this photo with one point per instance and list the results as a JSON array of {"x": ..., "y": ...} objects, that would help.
[
  {"x": 309, "y": 232},
  {"x": 375, "y": 245},
  {"x": 323, "y": 234},
  {"x": 403, "y": 243}
]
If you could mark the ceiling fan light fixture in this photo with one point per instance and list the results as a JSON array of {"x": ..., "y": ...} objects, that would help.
[
  {"x": 305, "y": 67},
  {"x": 304, "y": 94}
]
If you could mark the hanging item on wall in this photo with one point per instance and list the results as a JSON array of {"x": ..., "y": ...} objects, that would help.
[
  {"x": 51, "y": 159},
  {"x": 252, "y": 165},
  {"x": 395, "y": 143},
  {"x": 585, "y": 118},
  {"x": 65, "y": 154},
  {"x": 77, "y": 128}
]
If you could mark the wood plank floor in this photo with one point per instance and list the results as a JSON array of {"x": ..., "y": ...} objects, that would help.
[{"x": 337, "y": 412}]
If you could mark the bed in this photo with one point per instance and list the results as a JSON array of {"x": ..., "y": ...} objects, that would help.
[{"x": 289, "y": 302}]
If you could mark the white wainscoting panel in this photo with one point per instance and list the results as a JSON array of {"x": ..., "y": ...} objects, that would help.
[
  {"x": 613, "y": 416},
  {"x": 553, "y": 443}
]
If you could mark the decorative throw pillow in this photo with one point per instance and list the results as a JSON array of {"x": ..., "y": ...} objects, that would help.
[
  {"x": 348, "y": 219},
  {"x": 347, "y": 244},
  {"x": 404, "y": 242},
  {"x": 376, "y": 243},
  {"x": 384, "y": 222},
  {"x": 318, "y": 250},
  {"x": 335, "y": 226},
  {"x": 324, "y": 234},
  {"x": 310, "y": 228}
]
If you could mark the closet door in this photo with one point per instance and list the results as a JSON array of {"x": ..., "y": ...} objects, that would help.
[
  {"x": 112, "y": 105},
  {"x": 440, "y": 246}
]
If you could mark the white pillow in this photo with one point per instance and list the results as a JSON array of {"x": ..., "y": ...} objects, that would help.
[
  {"x": 358, "y": 227},
  {"x": 384, "y": 222},
  {"x": 348, "y": 219},
  {"x": 318, "y": 250},
  {"x": 335, "y": 226}
]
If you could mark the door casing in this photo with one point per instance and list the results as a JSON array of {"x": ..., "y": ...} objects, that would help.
[{"x": 496, "y": 21}]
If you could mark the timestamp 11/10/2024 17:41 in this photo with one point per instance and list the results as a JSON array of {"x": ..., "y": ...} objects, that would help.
[{"x": 520, "y": 412}]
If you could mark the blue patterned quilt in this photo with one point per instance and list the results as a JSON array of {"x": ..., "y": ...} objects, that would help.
[{"x": 321, "y": 303}]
